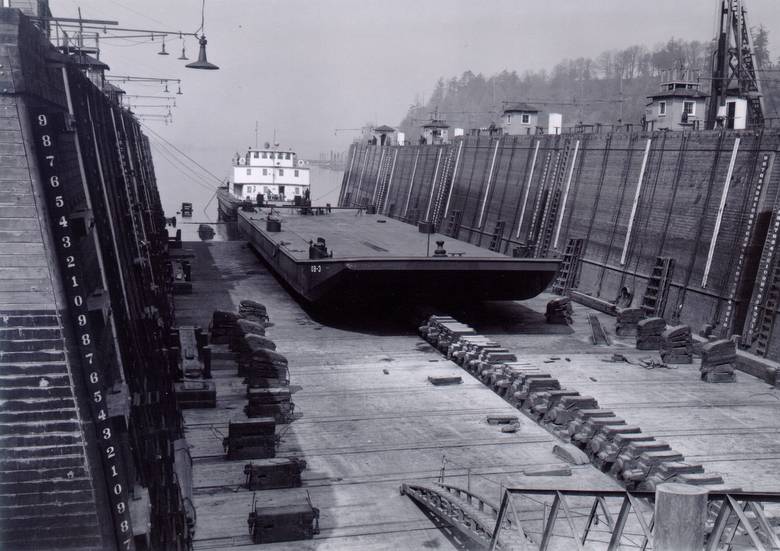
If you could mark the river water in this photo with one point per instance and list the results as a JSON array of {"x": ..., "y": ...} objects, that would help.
[{"x": 325, "y": 187}]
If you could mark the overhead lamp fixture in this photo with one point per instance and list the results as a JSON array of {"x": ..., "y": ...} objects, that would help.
[
  {"x": 183, "y": 55},
  {"x": 178, "y": 93},
  {"x": 163, "y": 51},
  {"x": 202, "y": 62}
]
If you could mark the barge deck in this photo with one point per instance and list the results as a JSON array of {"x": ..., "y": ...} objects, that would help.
[{"x": 370, "y": 255}]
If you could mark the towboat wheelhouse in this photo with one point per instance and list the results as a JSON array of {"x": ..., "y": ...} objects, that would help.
[{"x": 278, "y": 176}]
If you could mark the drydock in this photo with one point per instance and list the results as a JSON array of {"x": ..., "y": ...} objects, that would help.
[{"x": 369, "y": 420}]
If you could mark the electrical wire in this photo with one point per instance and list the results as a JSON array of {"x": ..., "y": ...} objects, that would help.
[
  {"x": 196, "y": 163},
  {"x": 181, "y": 167}
]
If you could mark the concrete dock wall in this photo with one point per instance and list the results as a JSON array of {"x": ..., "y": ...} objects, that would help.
[
  {"x": 87, "y": 411},
  {"x": 704, "y": 199}
]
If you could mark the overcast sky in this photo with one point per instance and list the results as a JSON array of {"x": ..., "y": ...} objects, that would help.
[{"x": 307, "y": 67}]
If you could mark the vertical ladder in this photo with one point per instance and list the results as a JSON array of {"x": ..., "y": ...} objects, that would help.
[
  {"x": 768, "y": 315},
  {"x": 551, "y": 209},
  {"x": 453, "y": 224},
  {"x": 567, "y": 275},
  {"x": 498, "y": 235},
  {"x": 384, "y": 170},
  {"x": 657, "y": 291},
  {"x": 444, "y": 187}
]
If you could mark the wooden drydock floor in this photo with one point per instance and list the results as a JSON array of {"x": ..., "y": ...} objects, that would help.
[
  {"x": 351, "y": 234},
  {"x": 363, "y": 431}
]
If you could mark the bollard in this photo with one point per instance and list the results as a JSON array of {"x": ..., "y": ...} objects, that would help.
[
  {"x": 207, "y": 362},
  {"x": 680, "y": 513}
]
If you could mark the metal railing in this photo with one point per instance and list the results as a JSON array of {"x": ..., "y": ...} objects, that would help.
[{"x": 619, "y": 519}]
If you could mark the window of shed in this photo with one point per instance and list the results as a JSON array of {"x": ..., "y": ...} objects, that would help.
[
  {"x": 662, "y": 108},
  {"x": 689, "y": 107},
  {"x": 525, "y": 118}
]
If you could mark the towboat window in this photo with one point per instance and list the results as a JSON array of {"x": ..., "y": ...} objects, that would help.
[
  {"x": 287, "y": 156},
  {"x": 248, "y": 171},
  {"x": 257, "y": 155},
  {"x": 281, "y": 172},
  {"x": 296, "y": 172},
  {"x": 662, "y": 108},
  {"x": 265, "y": 172},
  {"x": 265, "y": 155},
  {"x": 525, "y": 119}
]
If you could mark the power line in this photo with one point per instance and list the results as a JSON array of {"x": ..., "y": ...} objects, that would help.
[{"x": 196, "y": 163}]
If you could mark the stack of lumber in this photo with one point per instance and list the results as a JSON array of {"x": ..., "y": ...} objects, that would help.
[
  {"x": 627, "y": 319},
  {"x": 648, "y": 333},
  {"x": 559, "y": 311},
  {"x": 677, "y": 345},
  {"x": 717, "y": 361}
]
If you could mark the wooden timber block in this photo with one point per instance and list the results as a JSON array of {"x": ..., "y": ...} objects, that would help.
[
  {"x": 196, "y": 394},
  {"x": 502, "y": 419},
  {"x": 552, "y": 470},
  {"x": 273, "y": 473},
  {"x": 284, "y": 523},
  {"x": 445, "y": 380}
]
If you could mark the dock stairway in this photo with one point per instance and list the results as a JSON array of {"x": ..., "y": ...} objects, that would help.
[
  {"x": 657, "y": 291},
  {"x": 569, "y": 270},
  {"x": 453, "y": 224},
  {"x": 498, "y": 235}
]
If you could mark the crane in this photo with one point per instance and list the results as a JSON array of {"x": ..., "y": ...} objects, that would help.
[{"x": 734, "y": 71}]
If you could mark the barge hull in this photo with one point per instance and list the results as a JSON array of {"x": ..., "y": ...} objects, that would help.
[{"x": 450, "y": 279}]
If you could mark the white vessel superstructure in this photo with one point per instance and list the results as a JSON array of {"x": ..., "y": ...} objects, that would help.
[{"x": 276, "y": 174}]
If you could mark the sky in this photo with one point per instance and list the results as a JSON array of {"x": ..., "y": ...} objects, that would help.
[{"x": 304, "y": 68}]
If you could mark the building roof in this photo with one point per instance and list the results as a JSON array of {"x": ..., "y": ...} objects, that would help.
[
  {"x": 519, "y": 106},
  {"x": 434, "y": 123},
  {"x": 111, "y": 89},
  {"x": 679, "y": 93},
  {"x": 384, "y": 129}
]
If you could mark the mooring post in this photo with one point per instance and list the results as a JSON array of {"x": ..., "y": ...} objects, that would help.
[{"x": 680, "y": 513}]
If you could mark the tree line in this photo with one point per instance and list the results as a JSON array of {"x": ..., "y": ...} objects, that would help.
[{"x": 610, "y": 89}]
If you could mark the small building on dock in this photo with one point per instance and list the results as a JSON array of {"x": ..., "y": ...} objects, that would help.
[
  {"x": 678, "y": 105},
  {"x": 436, "y": 131},
  {"x": 520, "y": 118}
]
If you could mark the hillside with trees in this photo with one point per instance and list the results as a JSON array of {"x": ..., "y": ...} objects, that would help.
[{"x": 609, "y": 89}]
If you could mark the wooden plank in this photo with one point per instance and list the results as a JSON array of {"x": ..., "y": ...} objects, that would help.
[
  {"x": 7, "y": 148},
  {"x": 7, "y": 247},
  {"x": 20, "y": 273},
  {"x": 26, "y": 301},
  {"x": 14, "y": 173},
  {"x": 18, "y": 224},
  {"x": 10, "y": 211},
  {"x": 10, "y": 136},
  {"x": 23, "y": 261},
  {"x": 21, "y": 236},
  {"x": 17, "y": 198},
  {"x": 26, "y": 285}
]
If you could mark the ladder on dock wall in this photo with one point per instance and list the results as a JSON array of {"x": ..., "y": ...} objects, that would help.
[
  {"x": 453, "y": 224},
  {"x": 657, "y": 291},
  {"x": 385, "y": 171},
  {"x": 764, "y": 301},
  {"x": 445, "y": 183},
  {"x": 497, "y": 237},
  {"x": 550, "y": 213},
  {"x": 570, "y": 264},
  {"x": 769, "y": 313}
]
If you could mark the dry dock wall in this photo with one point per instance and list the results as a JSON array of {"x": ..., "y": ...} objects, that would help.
[
  {"x": 706, "y": 200},
  {"x": 88, "y": 419}
]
